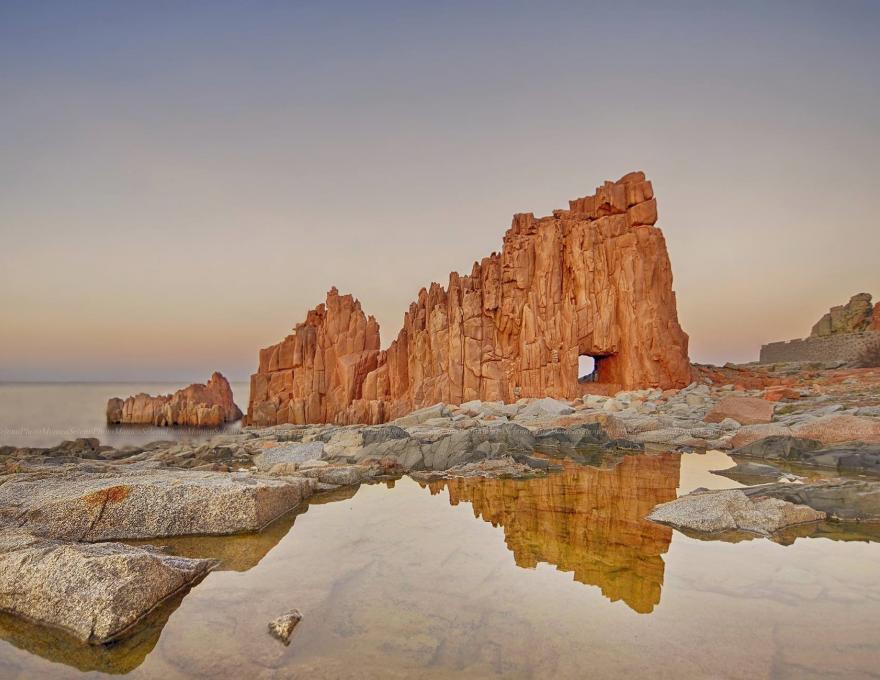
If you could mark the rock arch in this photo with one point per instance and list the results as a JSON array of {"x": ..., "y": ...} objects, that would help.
[{"x": 591, "y": 280}]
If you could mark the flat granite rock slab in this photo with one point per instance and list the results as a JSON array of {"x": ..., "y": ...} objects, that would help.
[
  {"x": 145, "y": 504},
  {"x": 96, "y": 592}
]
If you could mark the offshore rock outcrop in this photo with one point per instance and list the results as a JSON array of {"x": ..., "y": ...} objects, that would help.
[
  {"x": 208, "y": 405},
  {"x": 592, "y": 280}
]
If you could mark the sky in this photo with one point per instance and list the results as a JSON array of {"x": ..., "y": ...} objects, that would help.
[{"x": 181, "y": 181}]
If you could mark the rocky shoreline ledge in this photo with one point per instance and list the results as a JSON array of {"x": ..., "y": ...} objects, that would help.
[{"x": 60, "y": 506}]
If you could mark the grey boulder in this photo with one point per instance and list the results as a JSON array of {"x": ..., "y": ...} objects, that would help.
[
  {"x": 96, "y": 592},
  {"x": 145, "y": 504},
  {"x": 731, "y": 510},
  {"x": 546, "y": 407}
]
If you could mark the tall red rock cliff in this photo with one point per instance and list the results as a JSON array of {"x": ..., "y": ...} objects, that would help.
[{"x": 591, "y": 280}]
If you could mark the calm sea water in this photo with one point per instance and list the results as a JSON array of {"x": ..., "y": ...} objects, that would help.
[
  {"x": 554, "y": 577},
  {"x": 45, "y": 414}
]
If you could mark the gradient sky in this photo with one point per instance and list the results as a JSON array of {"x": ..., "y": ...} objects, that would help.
[{"x": 181, "y": 181}]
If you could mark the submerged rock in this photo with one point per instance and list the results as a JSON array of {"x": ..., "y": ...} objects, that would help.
[
  {"x": 145, "y": 504},
  {"x": 750, "y": 471},
  {"x": 845, "y": 499},
  {"x": 282, "y": 627},
  {"x": 96, "y": 592},
  {"x": 732, "y": 510},
  {"x": 851, "y": 456}
]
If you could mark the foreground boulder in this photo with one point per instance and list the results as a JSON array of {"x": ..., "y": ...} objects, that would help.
[
  {"x": 145, "y": 504},
  {"x": 732, "y": 510},
  {"x": 208, "y": 405},
  {"x": 96, "y": 592}
]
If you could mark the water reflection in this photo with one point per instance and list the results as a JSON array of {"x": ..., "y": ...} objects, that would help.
[
  {"x": 584, "y": 520},
  {"x": 243, "y": 552},
  {"x": 117, "y": 658},
  {"x": 238, "y": 553}
]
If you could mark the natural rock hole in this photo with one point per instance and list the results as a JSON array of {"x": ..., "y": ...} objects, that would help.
[{"x": 586, "y": 368}]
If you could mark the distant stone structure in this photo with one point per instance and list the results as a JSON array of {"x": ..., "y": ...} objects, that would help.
[
  {"x": 842, "y": 334},
  {"x": 594, "y": 280}
]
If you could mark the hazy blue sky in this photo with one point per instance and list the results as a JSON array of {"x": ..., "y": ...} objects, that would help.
[{"x": 181, "y": 181}]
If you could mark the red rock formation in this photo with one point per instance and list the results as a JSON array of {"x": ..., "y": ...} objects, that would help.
[
  {"x": 591, "y": 280},
  {"x": 198, "y": 405},
  {"x": 315, "y": 373},
  {"x": 875, "y": 318}
]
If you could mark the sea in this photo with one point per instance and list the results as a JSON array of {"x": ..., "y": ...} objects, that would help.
[{"x": 43, "y": 414}]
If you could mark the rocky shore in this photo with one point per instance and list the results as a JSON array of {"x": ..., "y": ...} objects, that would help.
[{"x": 59, "y": 506}]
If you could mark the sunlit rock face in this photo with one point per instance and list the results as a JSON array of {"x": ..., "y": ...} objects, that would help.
[
  {"x": 316, "y": 373},
  {"x": 199, "y": 405},
  {"x": 585, "y": 520},
  {"x": 591, "y": 280}
]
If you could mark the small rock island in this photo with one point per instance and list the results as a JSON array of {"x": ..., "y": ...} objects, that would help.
[{"x": 199, "y": 405}]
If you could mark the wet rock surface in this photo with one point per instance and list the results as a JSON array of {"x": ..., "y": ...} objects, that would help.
[
  {"x": 748, "y": 473},
  {"x": 851, "y": 499}
]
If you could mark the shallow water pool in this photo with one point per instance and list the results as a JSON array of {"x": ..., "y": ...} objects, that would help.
[{"x": 554, "y": 577}]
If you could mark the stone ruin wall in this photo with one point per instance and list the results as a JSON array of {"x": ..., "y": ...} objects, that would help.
[
  {"x": 844, "y": 347},
  {"x": 591, "y": 280}
]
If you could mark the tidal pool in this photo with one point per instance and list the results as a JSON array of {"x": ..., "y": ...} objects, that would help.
[{"x": 553, "y": 577}]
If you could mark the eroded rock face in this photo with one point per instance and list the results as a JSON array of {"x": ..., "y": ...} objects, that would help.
[
  {"x": 591, "y": 280},
  {"x": 208, "y": 405},
  {"x": 854, "y": 316},
  {"x": 94, "y": 591}
]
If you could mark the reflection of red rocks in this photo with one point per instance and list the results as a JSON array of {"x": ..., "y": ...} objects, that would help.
[{"x": 585, "y": 520}]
